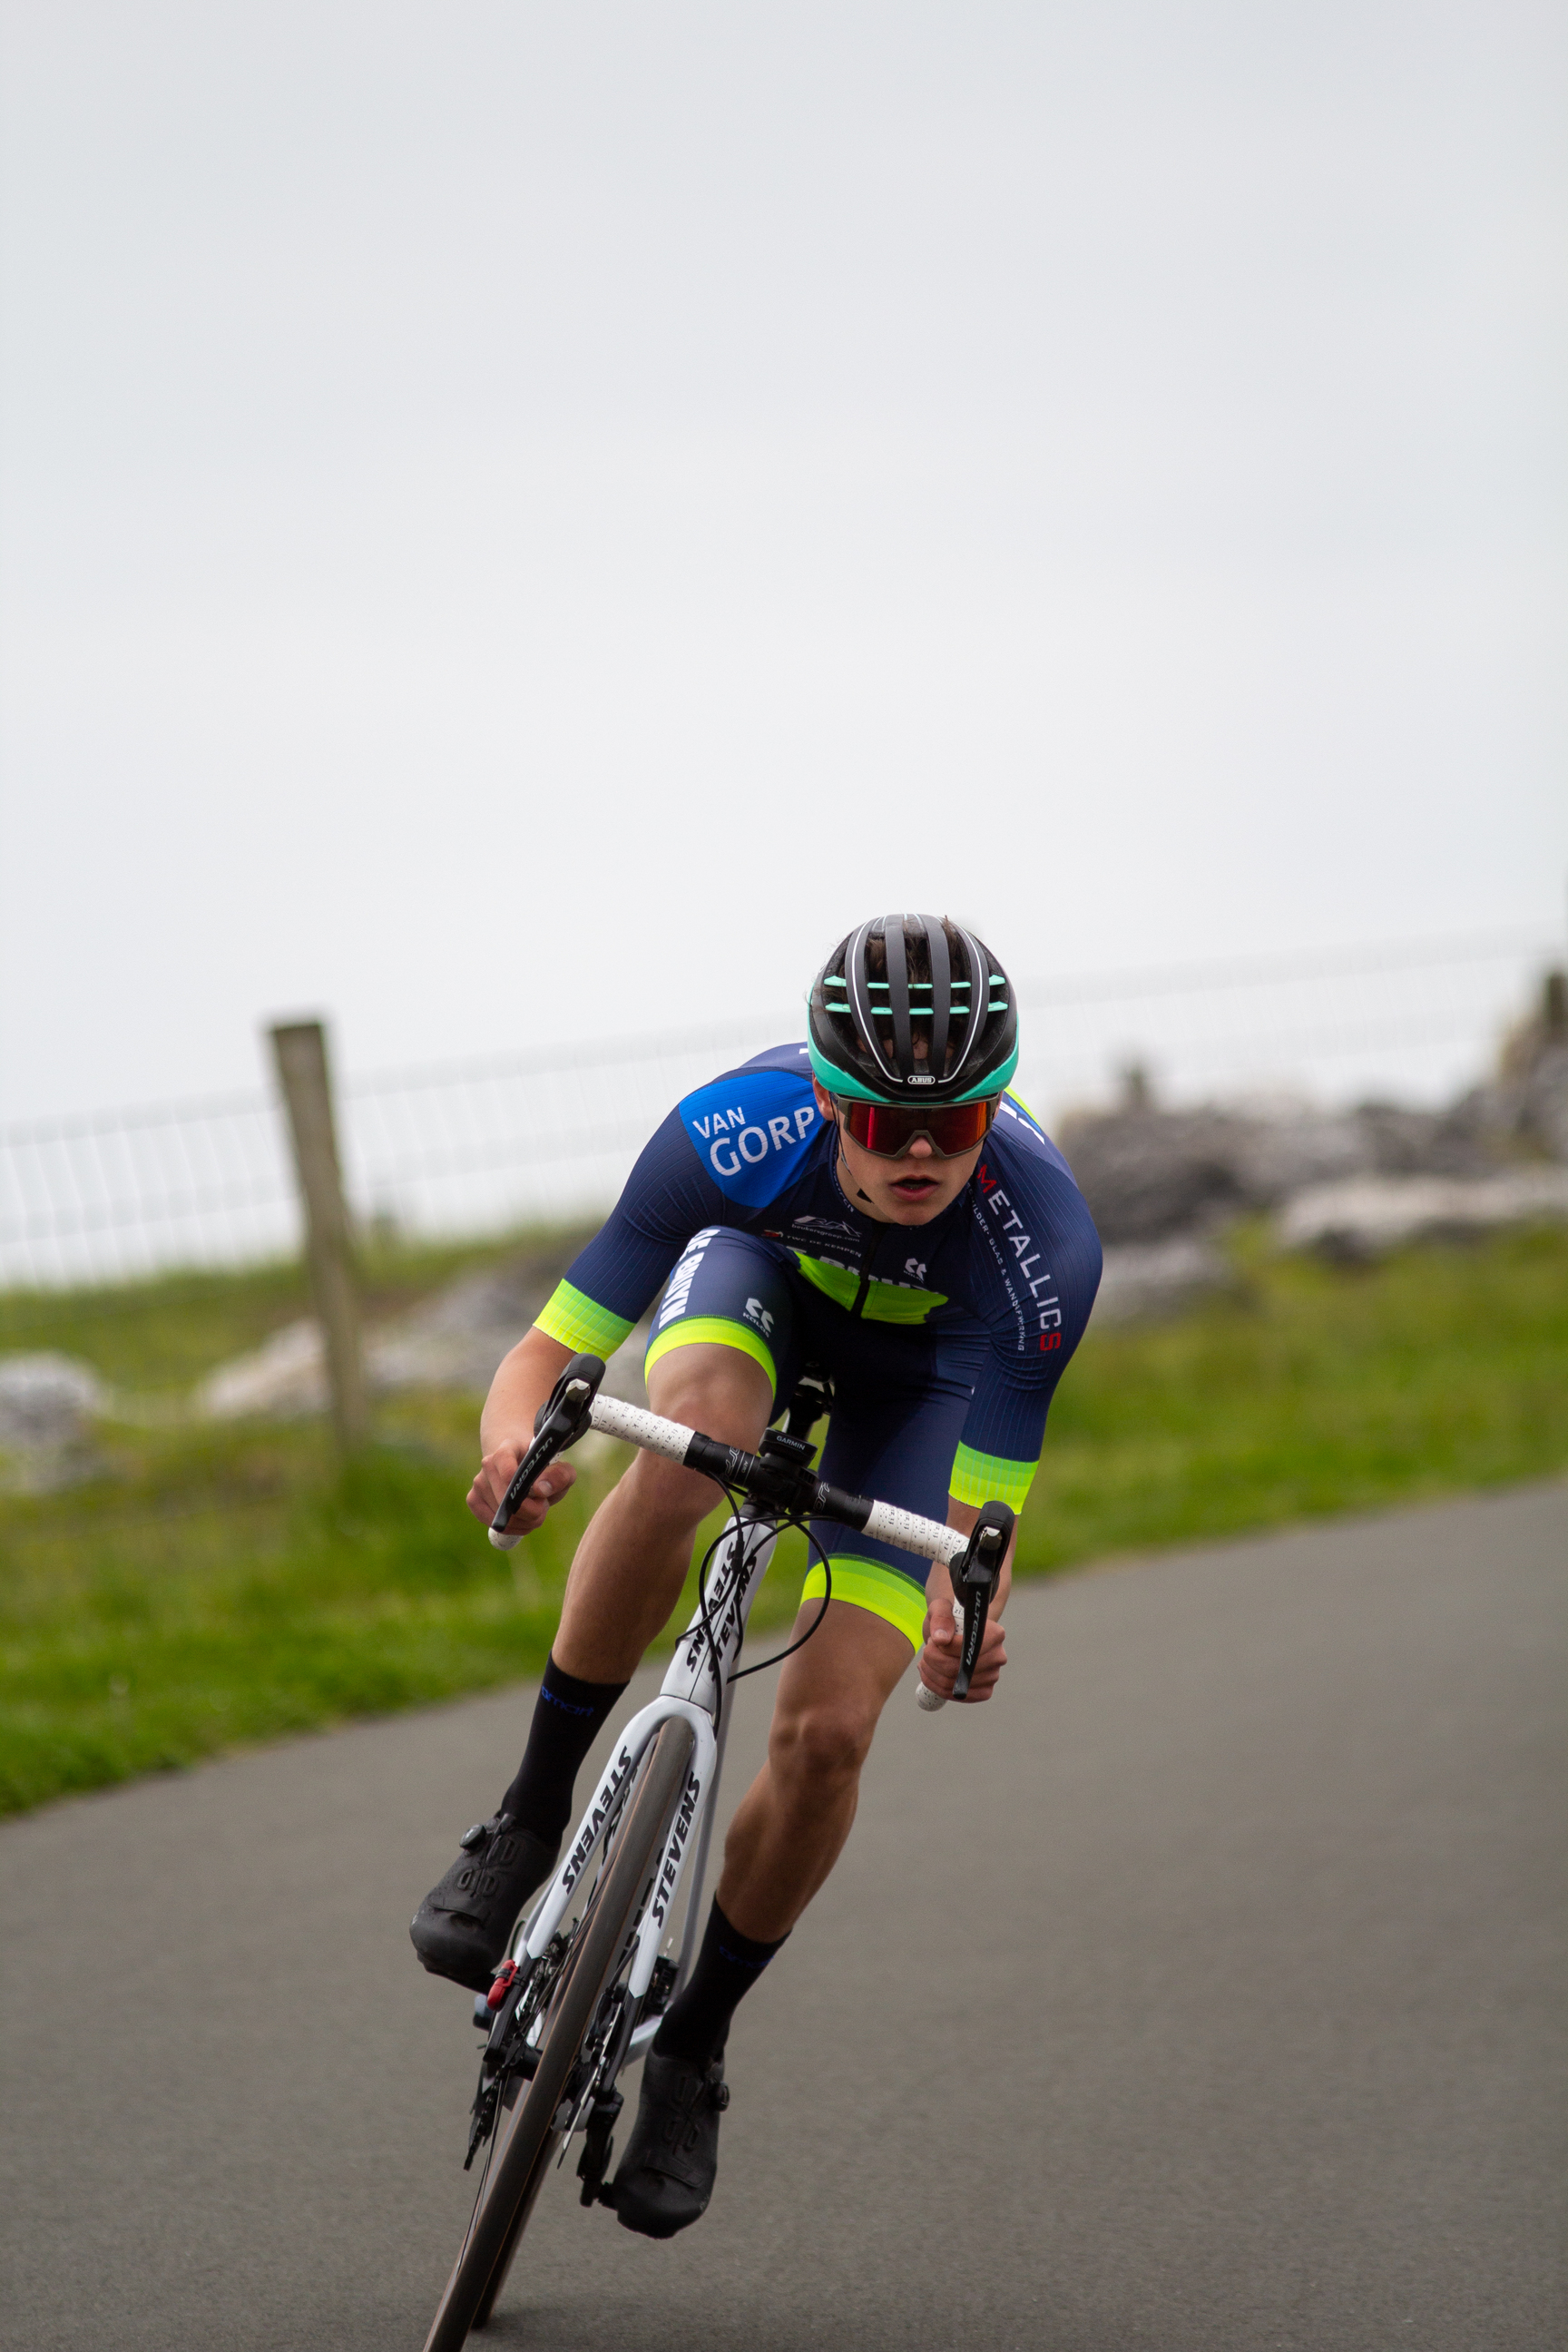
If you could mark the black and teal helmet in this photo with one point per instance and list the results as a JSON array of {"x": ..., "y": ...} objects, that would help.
[{"x": 912, "y": 1008}]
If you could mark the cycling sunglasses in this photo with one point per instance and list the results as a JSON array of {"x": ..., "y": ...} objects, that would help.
[{"x": 889, "y": 1129}]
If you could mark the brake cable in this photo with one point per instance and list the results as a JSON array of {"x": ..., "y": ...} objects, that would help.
[{"x": 737, "y": 1529}]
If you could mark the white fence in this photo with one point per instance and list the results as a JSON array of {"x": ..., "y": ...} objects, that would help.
[{"x": 485, "y": 1146}]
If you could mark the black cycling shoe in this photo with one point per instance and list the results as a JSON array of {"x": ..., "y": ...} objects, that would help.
[
  {"x": 462, "y": 1928},
  {"x": 664, "y": 2180}
]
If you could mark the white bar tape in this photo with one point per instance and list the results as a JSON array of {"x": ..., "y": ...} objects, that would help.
[
  {"x": 910, "y": 1532},
  {"x": 639, "y": 1428},
  {"x": 906, "y": 1530}
]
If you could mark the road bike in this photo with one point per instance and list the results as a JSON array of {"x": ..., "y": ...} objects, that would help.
[{"x": 591, "y": 1969}]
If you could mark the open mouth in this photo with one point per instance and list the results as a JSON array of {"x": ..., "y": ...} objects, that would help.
[{"x": 914, "y": 1188}]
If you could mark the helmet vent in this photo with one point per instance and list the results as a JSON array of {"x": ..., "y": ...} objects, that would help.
[{"x": 912, "y": 1000}]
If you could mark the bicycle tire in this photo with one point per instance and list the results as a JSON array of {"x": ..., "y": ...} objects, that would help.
[{"x": 523, "y": 2153}]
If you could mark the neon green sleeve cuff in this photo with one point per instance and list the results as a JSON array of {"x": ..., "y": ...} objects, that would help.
[
  {"x": 990, "y": 1478},
  {"x": 581, "y": 1324}
]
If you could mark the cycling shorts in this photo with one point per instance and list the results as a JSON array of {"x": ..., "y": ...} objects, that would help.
[{"x": 901, "y": 1394}]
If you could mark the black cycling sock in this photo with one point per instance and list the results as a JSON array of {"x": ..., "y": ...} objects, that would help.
[
  {"x": 567, "y": 1719},
  {"x": 728, "y": 1964}
]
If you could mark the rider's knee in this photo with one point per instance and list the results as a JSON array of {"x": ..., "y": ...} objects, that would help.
[
  {"x": 666, "y": 1495},
  {"x": 714, "y": 1387},
  {"x": 826, "y": 1742}
]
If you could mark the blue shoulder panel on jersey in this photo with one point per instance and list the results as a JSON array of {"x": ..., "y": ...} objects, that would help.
[
  {"x": 1010, "y": 1107},
  {"x": 753, "y": 1130}
]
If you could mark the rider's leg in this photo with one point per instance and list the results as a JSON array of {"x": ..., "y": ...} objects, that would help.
[
  {"x": 888, "y": 1437},
  {"x": 632, "y": 1562},
  {"x": 790, "y": 1827},
  {"x": 720, "y": 1345},
  {"x": 625, "y": 1582},
  {"x": 785, "y": 1840},
  {"x": 628, "y": 1572},
  {"x": 894, "y": 1439}
]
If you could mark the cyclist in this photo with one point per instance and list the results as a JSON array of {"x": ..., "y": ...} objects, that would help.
[{"x": 873, "y": 1201}]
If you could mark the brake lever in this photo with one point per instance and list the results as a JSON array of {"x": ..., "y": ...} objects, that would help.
[
  {"x": 563, "y": 1417},
  {"x": 976, "y": 1574}
]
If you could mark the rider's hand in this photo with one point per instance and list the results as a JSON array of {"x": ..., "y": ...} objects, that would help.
[
  {"x": 943, "y": 1654},
  {"x": 495, "y": 1474}
]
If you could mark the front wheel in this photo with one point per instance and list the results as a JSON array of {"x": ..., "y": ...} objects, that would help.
[{"x": 527, "y": 2135}]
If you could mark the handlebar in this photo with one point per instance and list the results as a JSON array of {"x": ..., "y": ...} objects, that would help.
[{"x": 778, "y": 1480}]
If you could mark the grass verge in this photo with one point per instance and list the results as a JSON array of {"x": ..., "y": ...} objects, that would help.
[{"x": 222, "y": 1587}]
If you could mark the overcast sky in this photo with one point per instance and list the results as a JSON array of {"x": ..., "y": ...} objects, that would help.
[{"x": 518, "y": 523}]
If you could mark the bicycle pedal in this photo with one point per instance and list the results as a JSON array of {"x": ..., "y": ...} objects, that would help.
[{"x": 599, "y": 2147}]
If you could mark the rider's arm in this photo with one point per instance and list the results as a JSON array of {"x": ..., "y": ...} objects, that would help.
[
  {"x": 607, "y": 1288},
  {"x": 1034, "y": 1222}
]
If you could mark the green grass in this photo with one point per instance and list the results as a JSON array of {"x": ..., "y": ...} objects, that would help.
[
  {"x": 1313, "y": 1389},
  {"x": 163, "y": 1334},
  {"x": 226, "y": 1586}
]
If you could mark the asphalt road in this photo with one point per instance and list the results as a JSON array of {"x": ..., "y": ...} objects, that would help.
[{"x": 1203, "y": 1991}]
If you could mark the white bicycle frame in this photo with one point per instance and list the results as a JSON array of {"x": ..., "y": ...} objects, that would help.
[{"x": 694, "y": 1689}]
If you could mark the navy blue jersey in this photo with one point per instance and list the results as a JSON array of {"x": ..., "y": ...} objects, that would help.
[{"x": 1011, "y": 1265}]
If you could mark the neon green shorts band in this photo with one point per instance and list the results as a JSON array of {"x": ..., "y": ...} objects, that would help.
[
  {"x": 716, "y": 1330},
  {"x": 867, "y": 1584}
]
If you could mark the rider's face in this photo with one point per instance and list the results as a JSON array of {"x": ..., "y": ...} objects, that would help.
[{"x": 910, "y": 1190}]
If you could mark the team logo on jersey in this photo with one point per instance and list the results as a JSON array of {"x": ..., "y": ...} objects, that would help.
[
  {"x": 752, "y": 1133},
  {"x": 677, "y": 1290},
  {"x": 1043, "y": 1305}
]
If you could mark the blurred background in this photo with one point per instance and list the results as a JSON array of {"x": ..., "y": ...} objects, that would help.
[{"x": 520, "y": 526}]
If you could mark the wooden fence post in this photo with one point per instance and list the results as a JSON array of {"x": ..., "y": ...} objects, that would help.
[{"x": 299, "y": 1052}]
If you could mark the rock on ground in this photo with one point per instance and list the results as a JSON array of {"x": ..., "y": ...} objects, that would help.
[
  {"x": 1372, "y": 1215},
  {"x": 1148, "y": 1174},
  {"x": 1145, "y": 1280},
  {"x": 47, "y": 1404},
  {"x": 454, "y": 1340},
  {"x": 46, "y": 1399},
  {"x": 285, "y": 1376}
]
